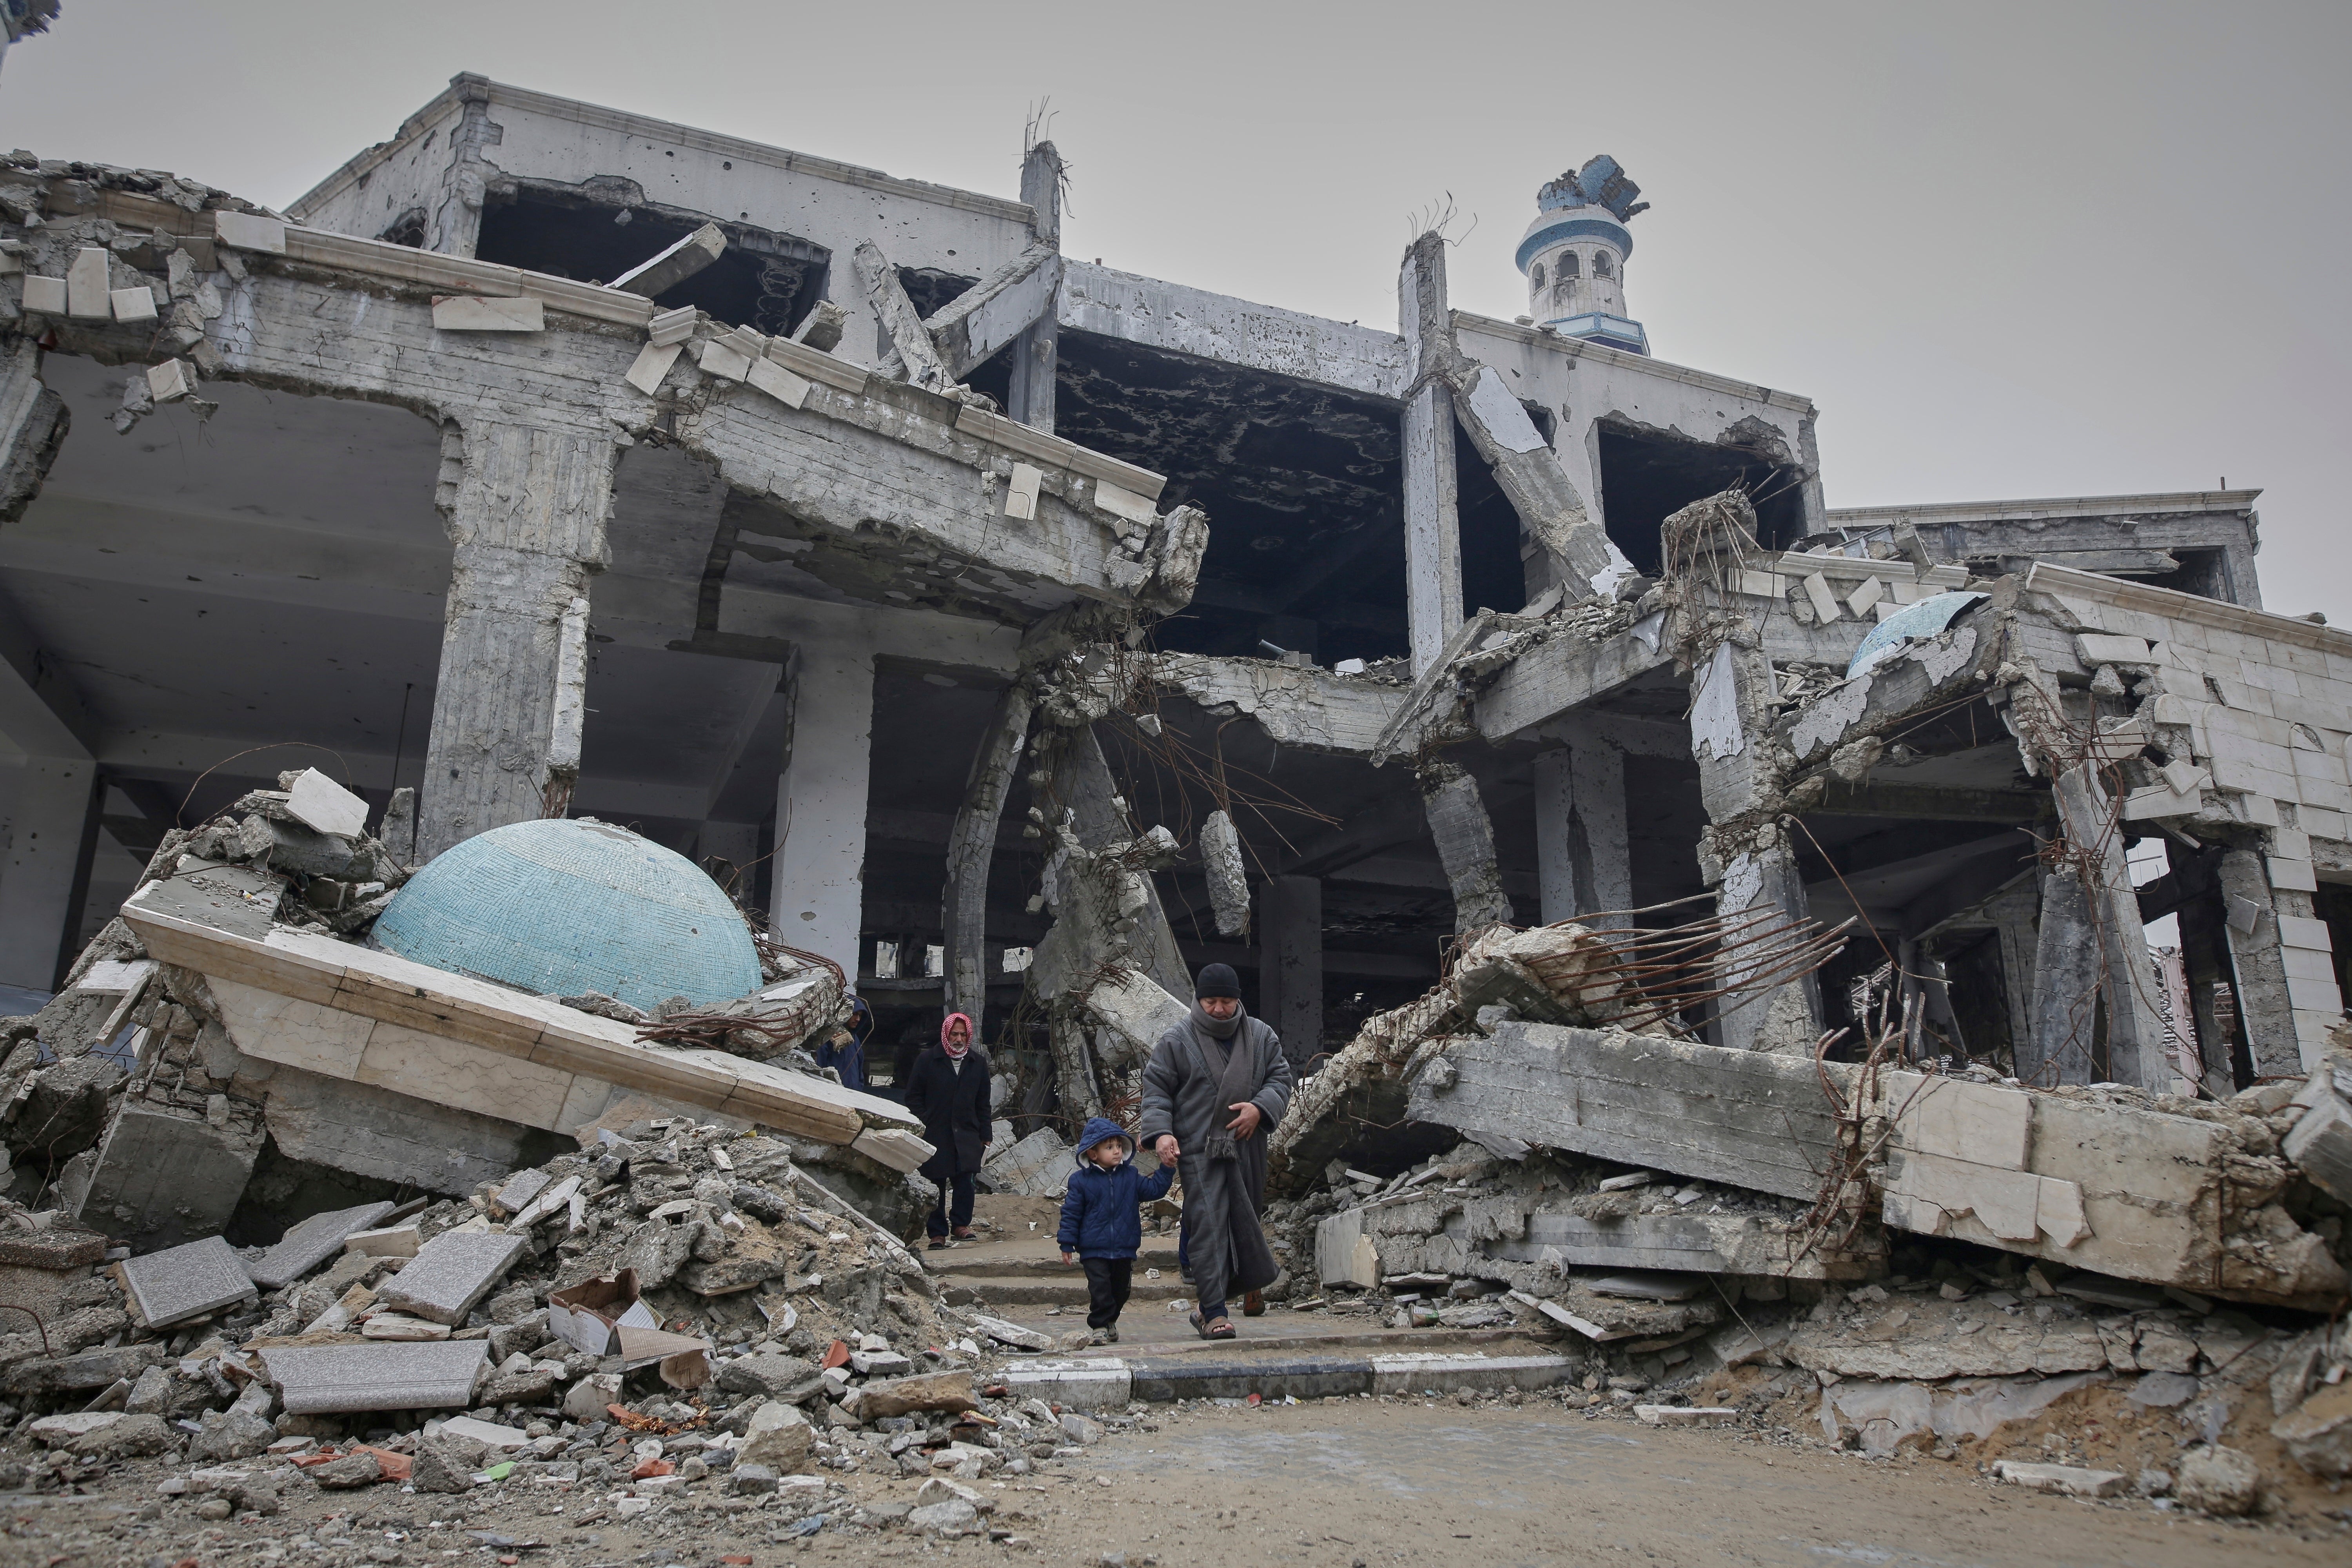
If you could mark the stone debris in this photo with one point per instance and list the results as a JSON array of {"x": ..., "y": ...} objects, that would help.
[{"x": 1730, "y": 1166}]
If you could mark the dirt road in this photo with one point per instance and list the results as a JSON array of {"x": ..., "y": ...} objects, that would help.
[{"x": 1537, "y": 1485}]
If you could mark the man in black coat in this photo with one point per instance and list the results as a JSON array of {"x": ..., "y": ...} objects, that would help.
[{"x": 948, "y": 1089}]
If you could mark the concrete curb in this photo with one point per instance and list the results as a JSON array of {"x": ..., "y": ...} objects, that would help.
[{"x": 1110, "y": 1383}]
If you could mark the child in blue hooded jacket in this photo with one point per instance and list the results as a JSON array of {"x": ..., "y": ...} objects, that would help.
[{"x": 1102, "y": 1221}]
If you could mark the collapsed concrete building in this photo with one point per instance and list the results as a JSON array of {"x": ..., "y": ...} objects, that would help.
[{"x": 1011, "y": 635}]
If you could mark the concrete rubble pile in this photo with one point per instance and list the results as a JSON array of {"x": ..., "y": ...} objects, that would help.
[
  {"x": 1720, "y": 937},
  {"x": 142, "y": 1097},
  {"x": 675, "y": 1306}
]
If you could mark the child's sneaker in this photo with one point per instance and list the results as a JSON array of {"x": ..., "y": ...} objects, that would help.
[{"x": 1103, "y": 1336}]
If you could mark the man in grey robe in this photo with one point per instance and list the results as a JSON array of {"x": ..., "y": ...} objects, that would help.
[{"x": 1215, "y": 1086}]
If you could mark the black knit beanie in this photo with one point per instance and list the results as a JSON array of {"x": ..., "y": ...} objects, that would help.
[{"x": 1217, "y": 980}]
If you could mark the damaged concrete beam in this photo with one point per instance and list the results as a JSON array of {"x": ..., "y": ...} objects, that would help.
[
  {"x": 918, "y": 362},
  {"x": 1590, "y": 564},
  {"x": 968, "y": 330},
  {"x": 1564, "y": 674},
  {"x": 1297, "y": 705},
  {"x": 2093, "y": 1182},
  {"x": 674, "y": 265}
]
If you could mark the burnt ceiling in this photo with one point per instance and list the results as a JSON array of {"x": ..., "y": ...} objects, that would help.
[{"x": 1302, "y": 486}]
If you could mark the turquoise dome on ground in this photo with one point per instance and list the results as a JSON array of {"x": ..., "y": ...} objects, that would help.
[{"x": 562, "y": 907}]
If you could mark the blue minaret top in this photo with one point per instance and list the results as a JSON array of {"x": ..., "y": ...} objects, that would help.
[{"x": 1574, "y": 252}]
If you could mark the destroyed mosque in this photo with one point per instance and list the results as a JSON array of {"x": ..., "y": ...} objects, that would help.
[{"x": 506, "y": 645}]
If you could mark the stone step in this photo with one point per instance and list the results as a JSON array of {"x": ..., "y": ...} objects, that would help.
[
  {"x": 1066, "y": 1288},
  {"x": 1109, "y": 1383},
  {"x": 1034, "y": 1256}
]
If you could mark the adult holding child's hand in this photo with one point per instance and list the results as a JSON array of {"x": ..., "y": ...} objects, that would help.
[{"x": 1216, "y": 1085}]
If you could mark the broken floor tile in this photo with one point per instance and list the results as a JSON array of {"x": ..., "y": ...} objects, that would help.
[
  {"x": 450, "y": 1273},
  {"x": 306, "y": 1246},
  {"x": 182, "y": 1282}
]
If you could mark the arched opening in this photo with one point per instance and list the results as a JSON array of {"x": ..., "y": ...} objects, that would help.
[
  {"x": 1537, "y": 277},
  {"x": 1568, "y": 266},
  {"x": 1601, "y": 264}
]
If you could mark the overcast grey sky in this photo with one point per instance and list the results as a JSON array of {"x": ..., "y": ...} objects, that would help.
[{"x": 2047, "y": 250}]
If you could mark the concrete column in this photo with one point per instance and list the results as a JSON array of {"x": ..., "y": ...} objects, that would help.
[
  {"x": 1581, "y": 860},
  {"x": 971, "y": 849},
  {"x": 49, "y": 815},
  {"x": 1745, "y": 854},
  {"x": 2064, "y": 1025},
  {"x": 1290, "y": 965},
  {"x": 1464, "y": 835},
  {"x": 526, "y": 508},
  {"x": 2258, "y": 955},
  {"x": 819, "y": 897},
  {"x": 2135, "y": 1050},
  {"x": 1037, "y": 350},
  {"x": 1433, "y": 530}
]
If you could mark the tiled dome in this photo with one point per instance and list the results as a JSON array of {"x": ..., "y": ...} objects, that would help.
[{"x": 562, "y": 907}]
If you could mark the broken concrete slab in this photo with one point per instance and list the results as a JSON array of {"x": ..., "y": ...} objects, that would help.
[
  {"x": 450, "y": 1273},
  {"x": 326, "y": 1380},
  {"x": 359, "y": 1015},
  {"x": 163, "y": 1173},
  {"x": 192, "y": 1280},
  {"x": 1037, "y": 1166},
  {"x": 311, "y": 1242},
  {"x": 319, "y": 803},
  {"x": 2069, "y": 1481},
  {"x": 2097, "y": 1183}
]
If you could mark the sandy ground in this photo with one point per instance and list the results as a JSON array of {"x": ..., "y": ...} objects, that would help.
[{"x": 1336, "y": 1485}]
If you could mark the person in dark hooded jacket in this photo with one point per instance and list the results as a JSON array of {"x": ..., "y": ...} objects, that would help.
[{"x": 1102, "y": 1225}]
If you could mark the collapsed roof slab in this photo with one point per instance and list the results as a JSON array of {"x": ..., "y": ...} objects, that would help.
[
  {"x": 2078, "y": 1179},
  {"x": 341, "y": 1011},
  {"x": 882, "y": 477}
]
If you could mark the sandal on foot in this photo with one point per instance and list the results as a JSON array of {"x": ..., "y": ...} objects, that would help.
[
  {"x": 1254, "y": 1304},
  {"x": 1199, "y": 1327},
  {"x": 939, "y": 1244},
  {"x": 1220, "y": 1329}
]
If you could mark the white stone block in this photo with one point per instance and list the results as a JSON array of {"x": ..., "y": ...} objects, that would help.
[
  {"x": 2315, "y": 996},
  {"x": 45, "y": 296},
  {"x": 1126, "y": 503},
  {"x": 719, "y": 359},
  {"x": 1760, "y": 585},
  {"x": 1866, "y": 593},
  {"x": 319, "y": 802},
  {"x": 250, "y": 231},
  {"x": 671, "y": 328},
  {"x": 1886, "y": 609},
  {"x": 652, "y": 364},
  {"x": 89, "y": 295},
  {"x": 2157, "y": 800},
  {"x": 488, "y": 313},
  {"x": 170, "y": 379},
  {"x": 777, "y": 382},
  {"x": 134, "y": 304},
  {"x": 1817, "y": 595},
  {"x": 2301, "y": 930},
  {"x": 2302, "y": 964},
  {"x": 1020, "y": 491},
  {"x": 2290, "y": 844},
  {"x": 2098, "y": 647},
  {"x": 1907, "y": 593}
]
